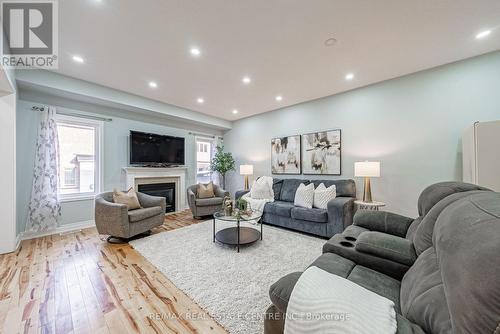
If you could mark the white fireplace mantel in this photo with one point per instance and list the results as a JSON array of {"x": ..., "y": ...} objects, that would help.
[{"x": 133, "y": 176}]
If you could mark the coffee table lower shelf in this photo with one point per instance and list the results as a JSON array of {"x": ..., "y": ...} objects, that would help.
[{"x": 229, "y": 236}]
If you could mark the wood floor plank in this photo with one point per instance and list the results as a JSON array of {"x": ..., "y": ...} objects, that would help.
[{"x": 78, "y": 283}]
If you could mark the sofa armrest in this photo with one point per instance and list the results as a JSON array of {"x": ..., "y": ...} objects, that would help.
[
  {"x": 383, "y": 221},
  {"x": 191, "y": 199},
  {"x": 281, "y": 290},
  {"x": 219, "y": 192},
  {"x": 110, "y": 218},
  {"x": 148, "y": 201},
  {"x": 387, "y": 246},
  {"x": 239, "y": 194},
  {"x": 340, "y": 212}
]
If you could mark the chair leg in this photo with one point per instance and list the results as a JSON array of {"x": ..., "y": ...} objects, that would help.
[{"x": 117, "y": 240}]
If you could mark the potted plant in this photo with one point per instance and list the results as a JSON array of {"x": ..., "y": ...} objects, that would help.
[{"x": 222, "y": 162}]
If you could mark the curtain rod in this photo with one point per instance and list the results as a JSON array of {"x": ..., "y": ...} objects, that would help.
[
  {"x": 203, "y": 135},
  {"x": 38, "y": 108}
]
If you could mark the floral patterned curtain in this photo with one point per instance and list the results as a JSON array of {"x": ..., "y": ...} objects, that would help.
[{"x": 44, "y": 208}]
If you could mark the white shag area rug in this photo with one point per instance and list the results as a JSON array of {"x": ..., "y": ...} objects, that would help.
[{"x": 232, "y": 287}]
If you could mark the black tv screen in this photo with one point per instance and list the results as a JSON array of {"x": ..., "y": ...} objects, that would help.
[{"x": 150, "y": 148}]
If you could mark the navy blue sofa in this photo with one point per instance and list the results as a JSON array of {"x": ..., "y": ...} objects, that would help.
[{"x": 321, "y": 222}]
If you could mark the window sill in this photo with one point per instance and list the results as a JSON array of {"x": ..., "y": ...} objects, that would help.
[{"x": 76, "y": 198}]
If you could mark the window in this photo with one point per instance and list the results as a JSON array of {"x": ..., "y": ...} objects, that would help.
[
  {"x": 79, "y": 157},
  {"x": 69, "y": 177},
  {"x": 203, "y": 157},
  {"x": 203, "y": 147}
]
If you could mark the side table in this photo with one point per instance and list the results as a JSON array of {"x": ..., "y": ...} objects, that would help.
[{"x": 374, "y": 206}]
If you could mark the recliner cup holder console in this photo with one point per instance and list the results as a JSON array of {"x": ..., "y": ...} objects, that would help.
[
  {"x": 350, "y": 238},
  {"x": 347, "y": 244}
]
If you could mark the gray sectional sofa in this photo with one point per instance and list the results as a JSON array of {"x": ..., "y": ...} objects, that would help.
[
  {"x": 388, "y": 242},
  {"x": 452, "y": 286},
  {"x": 321, "y": 222}
]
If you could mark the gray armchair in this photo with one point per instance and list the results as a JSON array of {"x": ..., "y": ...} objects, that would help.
[
  {"x": 205, "y": 206},
  {"x": 119, "y": 223}
]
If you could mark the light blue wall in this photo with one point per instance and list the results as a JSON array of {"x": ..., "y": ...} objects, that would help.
[
  {"x": 412, "y": 124},
  {"x": 115, "y": 156}
]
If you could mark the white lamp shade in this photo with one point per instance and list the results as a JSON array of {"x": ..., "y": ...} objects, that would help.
[
  {"x": 367, "y": 169},
  {"x": 246, "y": 169}
]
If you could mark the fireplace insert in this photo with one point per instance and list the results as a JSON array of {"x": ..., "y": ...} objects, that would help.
[{"x": 166, "y": 190}]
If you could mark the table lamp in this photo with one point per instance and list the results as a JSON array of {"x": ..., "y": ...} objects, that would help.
[
  {"x": 246, "y": 170},
  {"x": 367, "y": 169}
]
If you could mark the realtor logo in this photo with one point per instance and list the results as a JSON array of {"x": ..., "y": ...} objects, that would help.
[{"x": 29, "y": 36}]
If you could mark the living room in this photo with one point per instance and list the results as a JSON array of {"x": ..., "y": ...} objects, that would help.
[{"x": 250, "y": 167}]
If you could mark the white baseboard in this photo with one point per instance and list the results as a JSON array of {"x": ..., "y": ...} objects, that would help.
[{"x": 66, "y": 228}]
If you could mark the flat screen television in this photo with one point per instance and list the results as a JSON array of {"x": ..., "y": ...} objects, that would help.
[{"x": 154, "y": 149}]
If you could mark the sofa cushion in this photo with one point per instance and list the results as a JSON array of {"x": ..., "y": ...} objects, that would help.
[
  {"x": 304, "y": 196},
  {"x": 205, "y": 190},
  {"x": 208, "y": 201},
  {"x": 323, "y": 195},
  {"x": 279, "y": 208},
  {"x": 379, "y": 283},
  {"x": 262, "y": 188},
  {"x": 277, "y": 184},
  {"x": 144, "y": 213},
  {"x": 345, "y": 188},
  {"x": 129, "y": 198},
  {"x": 289, "y": 188},
  {"x": 313, "y": 215}
]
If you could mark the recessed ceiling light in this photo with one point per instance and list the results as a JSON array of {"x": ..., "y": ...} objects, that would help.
[
  {"x": 349, "y": 76},
  {"x": 483, "y": 34},
  {"x": 279, "y": 98},
  {"x": 78, "y": 59},
  {"x": 200, "y": 100},
  {"x": 153, "y": 84},
  {"x": 246, "y": 80},
  {"x": 330, "y": 41},
  {"x": 195, "y": 51},
  {"x": 235, "y": 111}
]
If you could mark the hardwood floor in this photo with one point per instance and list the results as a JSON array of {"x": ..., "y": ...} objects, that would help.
[{"x": 78, "y": 283}]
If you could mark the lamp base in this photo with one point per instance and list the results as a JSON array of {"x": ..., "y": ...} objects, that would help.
[
  {"x": 246, "y": 182},
  {"x": 367, "y": 193}
]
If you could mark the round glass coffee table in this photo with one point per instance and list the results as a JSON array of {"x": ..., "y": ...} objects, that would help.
[{"x": 238, "y": 235}]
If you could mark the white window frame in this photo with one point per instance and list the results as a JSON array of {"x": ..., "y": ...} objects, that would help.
[
  {"x": 98, "y": 151},
  {"x": 202, "y": 147}
]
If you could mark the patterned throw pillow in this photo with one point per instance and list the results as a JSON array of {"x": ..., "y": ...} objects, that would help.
[
  {"x": 322, "y": 195},
  {"x": 261, "y": 189},
  {"x": 205, "y": 190},
  {"x": 304, "y": 196},
  {"x": 128, "y": 198}
]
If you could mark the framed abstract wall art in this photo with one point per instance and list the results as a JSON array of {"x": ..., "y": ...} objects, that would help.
[
  {"x": 285, "y": 155},
  {"x": 321, "y": 152}
]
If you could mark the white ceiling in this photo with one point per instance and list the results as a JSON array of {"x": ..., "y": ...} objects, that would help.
[{"x": 278, "y": 43}]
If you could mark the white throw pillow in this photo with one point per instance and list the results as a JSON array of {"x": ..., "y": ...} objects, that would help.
[
  {"x": 261, "y": 189},
  {"x": 322, "y": 195},
  {"x": 304, "y": 196}
]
